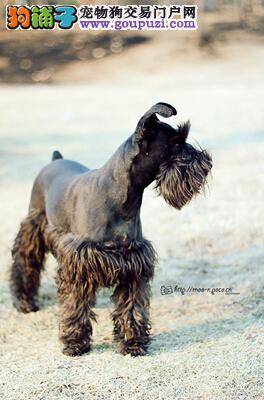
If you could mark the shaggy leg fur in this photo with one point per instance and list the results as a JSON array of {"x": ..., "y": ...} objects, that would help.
[
  {"x": 28, "y": 255},
  {"x": 76, "y": 297},
  {"x": 131, "y": 316}
]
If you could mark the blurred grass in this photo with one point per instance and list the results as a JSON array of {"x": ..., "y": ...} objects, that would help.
[{"x": 34, "y": 56}]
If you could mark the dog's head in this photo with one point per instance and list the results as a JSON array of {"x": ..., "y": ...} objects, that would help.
[{"x": 180, "y": 170}]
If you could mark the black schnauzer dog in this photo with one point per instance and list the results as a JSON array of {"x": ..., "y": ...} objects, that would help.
[{"x": 90, "y": 221}]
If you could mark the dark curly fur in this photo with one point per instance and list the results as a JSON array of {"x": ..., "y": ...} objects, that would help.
[
  {"x": 83, "y": 268},
  {"x": 131, "y": 316},
  {"x": 28, "y": 255}
]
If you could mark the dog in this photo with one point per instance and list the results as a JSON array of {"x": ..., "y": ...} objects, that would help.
[{"x": 90, "y": 221}]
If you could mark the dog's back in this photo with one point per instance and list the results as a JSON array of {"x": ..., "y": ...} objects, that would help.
[{"x": 50, "y": 187}]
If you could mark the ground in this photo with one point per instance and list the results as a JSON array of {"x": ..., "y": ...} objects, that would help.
[{"x": 206, "y": 347}]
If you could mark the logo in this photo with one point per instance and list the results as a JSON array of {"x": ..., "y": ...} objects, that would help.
[
  {"x": 41, "y": 17},
  {"x": 102, "y": 17}
]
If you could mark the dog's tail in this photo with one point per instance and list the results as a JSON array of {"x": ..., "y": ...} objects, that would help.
[{"x": 56, "y": 155}]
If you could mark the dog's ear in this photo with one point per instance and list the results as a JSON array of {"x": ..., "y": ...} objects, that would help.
[{"x": 149, "y": 118}]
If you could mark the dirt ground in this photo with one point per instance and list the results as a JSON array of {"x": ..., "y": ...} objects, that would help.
[{"x": 206, "y": 347}]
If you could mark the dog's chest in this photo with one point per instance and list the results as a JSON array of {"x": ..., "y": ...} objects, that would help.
[
  {"x": 106, "y": 226},
  {"x": 99, "y": 215}
]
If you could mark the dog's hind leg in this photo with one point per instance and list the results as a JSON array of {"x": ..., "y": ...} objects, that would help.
[
  {"x": 28, "y": 255},
  {"x": 131, "y": 316},
  {"x": 76, "y": 297}
]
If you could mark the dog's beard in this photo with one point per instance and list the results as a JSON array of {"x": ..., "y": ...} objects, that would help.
[{"x": 183, "y": 176}]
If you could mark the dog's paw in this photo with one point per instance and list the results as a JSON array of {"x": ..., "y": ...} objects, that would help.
[
  {"x": 75, "y": 350},
  {"x": 25, "y": 306},
  {"x": 134, "y": 351}
]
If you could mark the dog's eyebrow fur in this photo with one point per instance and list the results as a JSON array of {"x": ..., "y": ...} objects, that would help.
[{"x": 184, "y": 129}]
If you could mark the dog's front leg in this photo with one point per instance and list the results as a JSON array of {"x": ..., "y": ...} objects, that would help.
[
  {"x": 131, "y": 316},
  {"x": 76, "y": 299}
]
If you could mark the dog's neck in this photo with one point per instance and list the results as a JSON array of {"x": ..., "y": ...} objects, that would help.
[{"x": 130, "y": 174}]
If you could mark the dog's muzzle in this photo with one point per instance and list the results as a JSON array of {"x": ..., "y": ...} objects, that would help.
[{"x": 183, "y": 176}]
